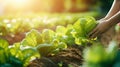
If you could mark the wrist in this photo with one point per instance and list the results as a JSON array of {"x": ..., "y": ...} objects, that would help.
[
  {"x": 114, "y": 19},
  {"x": 111, "y": 22},
  {"x": 104, "y": 18},
  {"x": 117, "y": 0}
]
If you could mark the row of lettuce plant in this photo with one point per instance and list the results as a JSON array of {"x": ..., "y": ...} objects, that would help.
[
  {"x": 50, "y": 42},
  {"x": 20, "y": 24},
  {"x": 47, "y": 42}
]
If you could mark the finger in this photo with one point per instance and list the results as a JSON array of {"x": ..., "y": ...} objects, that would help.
[
  {"x": 91, "y": 33},
  {"x": 108, "y": 36},
  {"x": 95, "y": 34}
]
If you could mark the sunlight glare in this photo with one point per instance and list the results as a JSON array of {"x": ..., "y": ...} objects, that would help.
[
  {"x": 17, "y": 3},
  {"x": 20, "y": 2}
]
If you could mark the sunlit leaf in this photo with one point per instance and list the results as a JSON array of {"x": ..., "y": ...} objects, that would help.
[
  {"x": 47, "y": 35},
  {"x": 3, "y": 43}
]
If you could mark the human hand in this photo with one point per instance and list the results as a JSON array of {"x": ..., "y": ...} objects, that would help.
[
  {"x": 102, "y": 27},
  {"x": 107, "y": 36}
]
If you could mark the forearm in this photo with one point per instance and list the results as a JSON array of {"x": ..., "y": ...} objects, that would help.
[
  {"x": 114, "y": 9},
  {"x": 114, "y": 19}
]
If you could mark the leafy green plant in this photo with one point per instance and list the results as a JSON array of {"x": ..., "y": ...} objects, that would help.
[
  {"x": 63, "y": 34},
  {"x": 15, "y": 56},
  {"x": 20, "y": 27},
  {"x": 82, "y": 28},
  {"x": 44, "y": 42}
]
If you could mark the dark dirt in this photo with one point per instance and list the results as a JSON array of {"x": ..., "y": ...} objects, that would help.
[
  {"x": 14, "y": 38},
  {"x": 70, "y": 56}
]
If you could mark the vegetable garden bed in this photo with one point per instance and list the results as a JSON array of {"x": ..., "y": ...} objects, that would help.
[
  {"x": 61, "y": 46},
  {"x": 72, "y": 56}
]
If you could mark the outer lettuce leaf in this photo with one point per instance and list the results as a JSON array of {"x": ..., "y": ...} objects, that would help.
[
  {"x": 3, "y": 50},
  {"x": 70, "y": 40},
  {"x": 33, "y": 38},
  {"x": 47, "y": 35},
  {"x": 80, "y": 32},
  {"x": 45, "y": 49},
  {"x": 90, "y": 25},
  {"x": 3, "y": 43}
]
